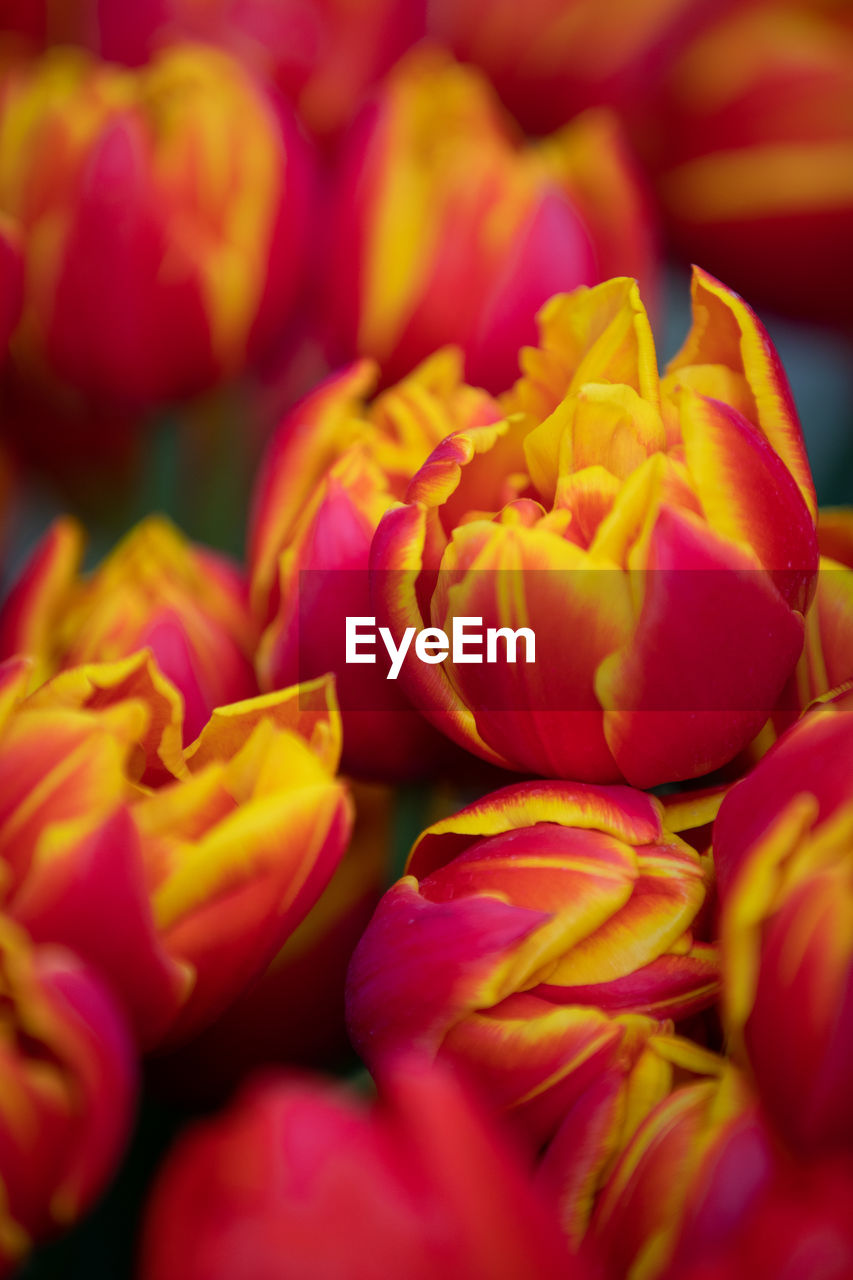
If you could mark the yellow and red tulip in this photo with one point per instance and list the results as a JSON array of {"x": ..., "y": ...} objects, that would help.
[
  {"x": 687, "y": 1180},
  {"x": 782, "y": 848},
  {"x": 335, "y": 465},
  {"x": 419, "y": 1185},
  {"x": 447, "y": 229},
  {"x": 294, "y": 1013},
  {"x": 187, "y": 605},
  {"x": 602, "y": 1120},
  {"x": 755, "y": 143},
  {"x": 162, "y": 215},
  {"x": 656, "y": 535},
  {"x": 540, "y": 936},
  {"x": 68, "y": 1079},
  {"x": 178, "y": 873}
]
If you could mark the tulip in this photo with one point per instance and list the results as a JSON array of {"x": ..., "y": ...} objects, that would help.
[
  {"x": 68, "y": 1079},
  {"x": 554, "y": 935},
  {"x": 188, "y": 606},
  {"x": 657, "y": 538},
  {"x": 782, "y": 847},
  {"x": 603, "y": 1119},
  {"x": 446, "y": 229},
  {"x": 162, "y": 216},
  {"x": 418, "y": 1185},
  {"x": 334, "y": 466},
  {"x": 178, "y": 873},
  {"x": 322, "y": 54},
  {"x": 754, "y": 161},
  {"x": 687, "y": 1180},
  {"x": 551, "y": 58},
  {"x": 294, "y": 1013}
]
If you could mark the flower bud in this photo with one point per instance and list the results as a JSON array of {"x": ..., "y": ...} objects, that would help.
[
  {"x": 656, "y": 536},
  {"x": 537, "y": 936}
]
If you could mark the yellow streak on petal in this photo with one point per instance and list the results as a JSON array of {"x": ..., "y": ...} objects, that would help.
[
  {"x": 762, "y": 181},
  {"x": 750, "y": 899}
]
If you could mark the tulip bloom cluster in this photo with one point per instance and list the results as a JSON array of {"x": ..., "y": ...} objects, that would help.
[{"x": 570, "y": 620}]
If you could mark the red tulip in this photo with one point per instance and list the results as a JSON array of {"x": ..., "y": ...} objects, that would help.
[
  {"x": 657, "y": 537},
  {"x": 163, "y": 215},
  {"x": 178, "y": 873},
  {"x": 68, "y": 1078},
  {"x": 782, "y": 848},
  {"x": 298, "y": 1179},
  {"x": 539, "y": 937},
  {"x": 187, "y": 605}
]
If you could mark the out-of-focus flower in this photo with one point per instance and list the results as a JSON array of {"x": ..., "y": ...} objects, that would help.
[
  {"x": 540, "y": 935},
  {"x": 178, "y": 873},
  {"x": 162, "y": 215},
  {"x": 418, "y": 1186},
  {"x": 335, "y": 465},
  {"x": 800, "y": 1229},
  {"x": 294, "y": 1013},
  {"x": 551, "y": 58},
  {"x": 688, "y": 1178},
  {"x": 783, "y": 848},
  {"x": 187, "y": 605},
  {"x": 67, "y": 1076},
  {"x": 322, "y": 54},
  {"x": 446, "y": 229},
  {"x": 656, "y": 536},
  {"x": 755, "y": 142}
]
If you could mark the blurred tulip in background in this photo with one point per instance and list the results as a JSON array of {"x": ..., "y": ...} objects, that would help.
[
  {"x": 446, "y": 228},
  {"x": 162, "y": 216},
  {"x": 321, "y": 54},
  {"x": 417, "y": 1185},
  {"x": 551, "y": 58},
  {"x": 752, "y": 149}
]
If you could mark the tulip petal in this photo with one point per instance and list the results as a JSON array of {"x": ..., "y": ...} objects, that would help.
[
  {"x": 627, "y": 815},
  {"x": 695, "y": 656},
  {"x": 726, "y": 332}
]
